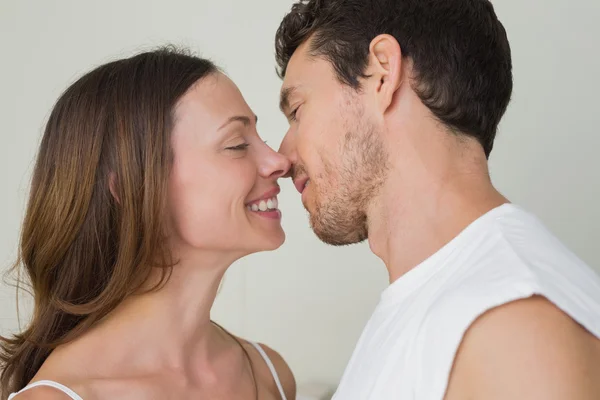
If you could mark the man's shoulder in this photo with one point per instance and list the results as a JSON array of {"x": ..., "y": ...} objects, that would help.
[{"x": 527, "y": 348}]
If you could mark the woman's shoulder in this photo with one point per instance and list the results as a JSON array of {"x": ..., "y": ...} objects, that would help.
[
  {"x": 284, "y": 372},
  {"x": 43, "y": 392}
]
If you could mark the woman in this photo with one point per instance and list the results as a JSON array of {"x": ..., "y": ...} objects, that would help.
[{"x": 151, "y": 180}]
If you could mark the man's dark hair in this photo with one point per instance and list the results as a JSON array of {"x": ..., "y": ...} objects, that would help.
[{"x": 460, "y": 52}]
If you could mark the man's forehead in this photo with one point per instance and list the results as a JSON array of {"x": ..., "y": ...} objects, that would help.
[
  {"x": 300, "y": 62},
  {"x": 294, "y": 77},
  {"x": 304, "y": 72}
]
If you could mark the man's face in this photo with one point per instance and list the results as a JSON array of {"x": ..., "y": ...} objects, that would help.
[{"x": 339, "y": 161}]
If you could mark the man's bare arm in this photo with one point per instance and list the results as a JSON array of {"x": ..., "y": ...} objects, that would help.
[{"x": 527, "y": 349}]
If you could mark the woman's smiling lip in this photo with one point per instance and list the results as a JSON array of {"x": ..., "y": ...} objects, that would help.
[{"x": 266, "y": 196}]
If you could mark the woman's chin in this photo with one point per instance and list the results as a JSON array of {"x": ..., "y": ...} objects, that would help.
[{"x": 269, "y": 243}]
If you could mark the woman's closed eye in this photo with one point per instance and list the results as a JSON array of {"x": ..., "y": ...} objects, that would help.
[{"x": 239, "y": 147}]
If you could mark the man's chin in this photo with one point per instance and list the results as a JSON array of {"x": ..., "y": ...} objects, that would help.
[
  {"x": 336, "y": 240},
  {"x": 309, "y": 207},
  {"x": 331, "y": 235}
]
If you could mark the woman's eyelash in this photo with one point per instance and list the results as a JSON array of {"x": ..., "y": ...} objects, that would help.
[{"x": 239, "y": 147}]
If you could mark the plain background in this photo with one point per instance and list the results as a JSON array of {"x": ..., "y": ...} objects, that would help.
[{"x": 308, "y": 300}]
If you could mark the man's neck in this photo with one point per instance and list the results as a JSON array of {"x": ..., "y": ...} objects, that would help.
[{"x": 410, "y": 221}]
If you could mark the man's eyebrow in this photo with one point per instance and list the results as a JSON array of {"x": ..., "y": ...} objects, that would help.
[
  {"x": 239, "y": 118},
  {"x": 284, "y": 99}
]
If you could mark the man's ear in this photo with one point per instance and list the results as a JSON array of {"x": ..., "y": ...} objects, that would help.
[{"x": 385, "y": 67}]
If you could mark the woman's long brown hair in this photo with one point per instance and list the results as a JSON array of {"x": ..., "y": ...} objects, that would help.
[{"x": 83, "y": 247}]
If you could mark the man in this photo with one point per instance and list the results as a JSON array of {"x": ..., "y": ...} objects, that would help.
[{"x": 393, "y": 108}]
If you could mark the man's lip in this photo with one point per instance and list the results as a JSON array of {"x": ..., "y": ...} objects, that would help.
[
  {"x": 300, "y": 184},
  {"x": 267, "y": 195}
]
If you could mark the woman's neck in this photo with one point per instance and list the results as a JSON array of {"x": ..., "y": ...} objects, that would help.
[{"x": 168, "y": 329}]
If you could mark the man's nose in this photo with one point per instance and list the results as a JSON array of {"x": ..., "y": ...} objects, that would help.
[{"x": 288, "y": 150}]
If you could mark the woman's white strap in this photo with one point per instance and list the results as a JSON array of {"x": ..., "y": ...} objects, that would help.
[
  {"x": 53, "y": 384},
  {"x": 264, "y": 355}
]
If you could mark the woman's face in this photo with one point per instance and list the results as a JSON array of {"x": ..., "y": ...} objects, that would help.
[{"x": 223, "y": 185}]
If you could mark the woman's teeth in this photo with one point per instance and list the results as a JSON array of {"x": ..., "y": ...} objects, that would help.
[{"x": 264, "y": 205}]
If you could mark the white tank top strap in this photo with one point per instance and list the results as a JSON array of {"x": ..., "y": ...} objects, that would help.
[
  {"x": 264, "y": 355},
  {"x": 53, "y": 384}
]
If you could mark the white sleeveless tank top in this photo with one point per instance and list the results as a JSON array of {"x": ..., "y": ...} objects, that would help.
[
  {"x": 75, "y": 396},
  {"x": 407, "y": 349}
]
